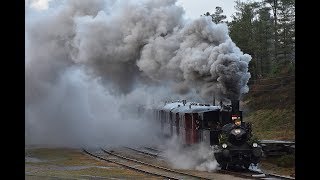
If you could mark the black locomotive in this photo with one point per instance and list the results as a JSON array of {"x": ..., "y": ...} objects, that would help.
[
  {"x": 220, "y": 127},
  {"x": 237, "y": 147}
]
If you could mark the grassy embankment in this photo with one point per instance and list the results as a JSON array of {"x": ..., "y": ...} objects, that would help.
[{"x": 270, "y": 107}]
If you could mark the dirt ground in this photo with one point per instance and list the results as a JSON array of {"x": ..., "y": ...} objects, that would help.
[
  {"x": 62, "y": 163},
  {"x": 68, "y": 163}
]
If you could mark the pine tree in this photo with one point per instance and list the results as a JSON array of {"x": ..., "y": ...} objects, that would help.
[{"x": 217, "y": 17}]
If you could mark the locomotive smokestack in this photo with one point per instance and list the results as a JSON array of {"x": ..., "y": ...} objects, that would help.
[{"x": 235, "y": 106}]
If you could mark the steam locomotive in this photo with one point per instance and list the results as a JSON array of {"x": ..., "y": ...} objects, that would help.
[{"x": 214, "y": 126}]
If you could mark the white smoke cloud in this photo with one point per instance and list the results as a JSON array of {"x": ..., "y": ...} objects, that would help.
[
  {"x": 78, "y": 111},
  {"x": 199, "y": 157},
  {"x": 87, "y": 61}
]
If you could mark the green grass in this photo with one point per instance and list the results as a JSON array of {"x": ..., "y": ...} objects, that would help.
[
  {"x": 273, "y": 124},
  {"x": 284, "y": 165},
  {"x": 286, "y": 160},
  {"x": 270, "y": 107},
  {"x": 275, "y": 165}
]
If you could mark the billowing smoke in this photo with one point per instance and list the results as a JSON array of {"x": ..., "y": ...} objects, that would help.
[
  {"x": 78, "y": 111},
  {"x": 200, "y": 55},
  {"x": 199, "y": 157},
  {"x": 90, "y": 63}
]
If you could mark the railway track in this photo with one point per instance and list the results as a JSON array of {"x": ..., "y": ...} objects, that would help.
[
  {"x": 153, "y": 149},
  {"x": 140, "y": 166},
  {"x": 153, "y": 155},
  {"x": 168, "y": 173},
  {"x": 256, "y": 174}
]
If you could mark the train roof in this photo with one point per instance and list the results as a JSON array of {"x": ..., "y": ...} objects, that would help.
[
  {"x": 171, "y": 106},
  {"x": 189, "y": 107}
]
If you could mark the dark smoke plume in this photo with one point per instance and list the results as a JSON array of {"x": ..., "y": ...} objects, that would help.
[{"x": 88, "y": 59}]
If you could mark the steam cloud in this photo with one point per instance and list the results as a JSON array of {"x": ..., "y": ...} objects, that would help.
[
  {"x": 89, "y": 64},
  {"x": 199, "y": 157}
]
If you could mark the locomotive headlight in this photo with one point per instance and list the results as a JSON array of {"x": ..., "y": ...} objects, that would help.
[
  {"x": 255, "y": 145},
  {"x": 224, "y": 145}
]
